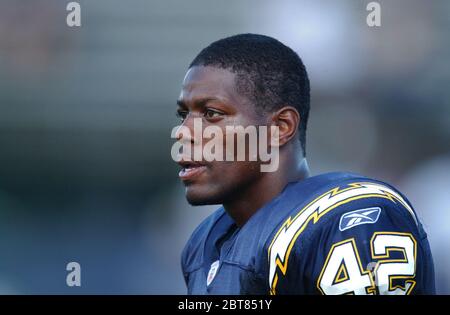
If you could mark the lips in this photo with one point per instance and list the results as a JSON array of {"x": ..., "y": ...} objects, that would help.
[{"x": 190, "y": 170}]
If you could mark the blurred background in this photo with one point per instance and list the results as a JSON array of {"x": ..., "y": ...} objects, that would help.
[{"x": 86, "y": 114}]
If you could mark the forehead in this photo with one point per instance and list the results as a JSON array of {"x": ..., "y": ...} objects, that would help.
[{"x": 207, "y": 81}]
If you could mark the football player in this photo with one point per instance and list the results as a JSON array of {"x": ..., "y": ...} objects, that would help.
[{"x": 286, "y": 232}]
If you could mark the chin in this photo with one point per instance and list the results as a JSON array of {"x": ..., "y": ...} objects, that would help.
[{"x": 197, "y": 197}]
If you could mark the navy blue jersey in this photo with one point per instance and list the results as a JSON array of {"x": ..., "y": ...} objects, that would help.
[{"x": 335, "y": 233}]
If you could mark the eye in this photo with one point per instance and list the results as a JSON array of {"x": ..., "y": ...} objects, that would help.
[
  {"x": 182, "y": 114},
  {"x": 212, "y": 113}
]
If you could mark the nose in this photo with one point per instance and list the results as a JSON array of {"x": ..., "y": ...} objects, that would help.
[
  {"x": 184, "y": 135},
  {"x": 191, "y": 130},
  {"x": 186, "y": 131}
]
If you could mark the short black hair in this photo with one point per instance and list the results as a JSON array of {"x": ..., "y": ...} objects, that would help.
[{"x": 270, "y": 74}]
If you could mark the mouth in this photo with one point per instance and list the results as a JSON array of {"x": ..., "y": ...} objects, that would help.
[{"x": 190, "y": 170}]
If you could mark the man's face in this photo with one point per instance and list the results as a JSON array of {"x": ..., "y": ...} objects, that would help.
[{"x": 210, "y": 94}]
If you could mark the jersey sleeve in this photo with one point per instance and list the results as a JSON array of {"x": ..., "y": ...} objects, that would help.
[{"x": 368, "y": 246}]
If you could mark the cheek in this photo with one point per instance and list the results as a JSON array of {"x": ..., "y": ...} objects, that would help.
[{"x": 241, "y": 144}]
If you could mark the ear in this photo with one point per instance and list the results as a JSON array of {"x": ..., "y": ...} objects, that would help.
[{"x": 287, "y": 119}]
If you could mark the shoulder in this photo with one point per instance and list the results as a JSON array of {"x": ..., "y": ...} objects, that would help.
[
  {"x": 357, "y": 197},
  {"x": 343, "y": 207}
]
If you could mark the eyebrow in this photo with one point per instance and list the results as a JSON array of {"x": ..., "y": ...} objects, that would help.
[{"x": 199, "y": 102}]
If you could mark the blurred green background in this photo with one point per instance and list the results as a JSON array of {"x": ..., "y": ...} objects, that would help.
[{"x": 86, "y": 114}]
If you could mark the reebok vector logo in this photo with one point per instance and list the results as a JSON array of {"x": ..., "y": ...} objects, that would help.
[{"x": 358, "y": 217}]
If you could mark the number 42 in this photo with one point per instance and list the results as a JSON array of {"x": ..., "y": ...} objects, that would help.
[{"x": 343, "y": 273}]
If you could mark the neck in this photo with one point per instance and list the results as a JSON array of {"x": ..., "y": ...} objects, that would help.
[{"x": 250, "y": 200}]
